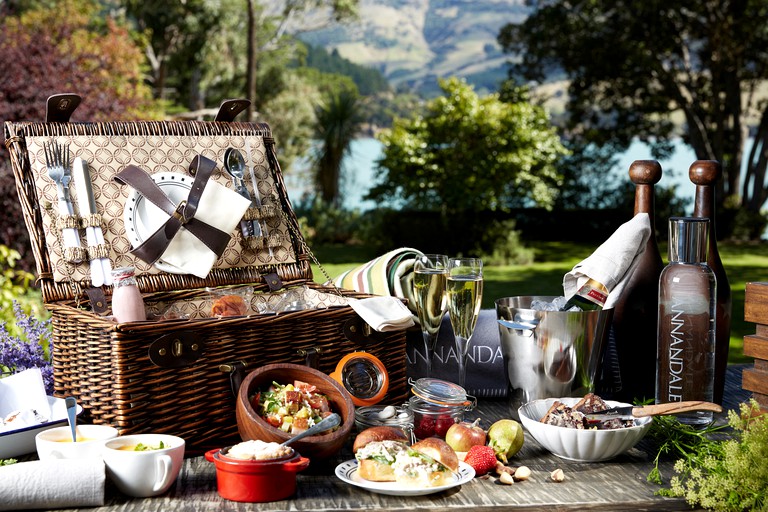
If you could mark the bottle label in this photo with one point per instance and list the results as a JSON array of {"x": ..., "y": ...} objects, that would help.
[
  {"x": 596, "y": 296},
  {"x": 685, "y": 362}
]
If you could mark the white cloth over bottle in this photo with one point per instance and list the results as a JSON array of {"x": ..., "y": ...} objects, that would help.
[{"x": 614, "y": 262}]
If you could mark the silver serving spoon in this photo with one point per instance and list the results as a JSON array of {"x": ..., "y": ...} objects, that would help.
[
  {"x": 326, "y": 423},
  {"x": 234, "y": 163},
  {"x": 71, "y": 404}
]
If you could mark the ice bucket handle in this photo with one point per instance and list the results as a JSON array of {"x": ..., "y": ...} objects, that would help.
[{"x": 520, "y": 326}]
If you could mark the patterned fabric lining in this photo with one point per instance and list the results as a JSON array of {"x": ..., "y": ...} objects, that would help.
[{"x": 107, "y": 155}]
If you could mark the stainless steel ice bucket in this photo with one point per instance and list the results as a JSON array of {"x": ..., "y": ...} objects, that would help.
[{"x": 549, "y": 353}]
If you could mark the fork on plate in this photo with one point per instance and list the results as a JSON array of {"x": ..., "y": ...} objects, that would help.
[{"x": 59, "y": 170}]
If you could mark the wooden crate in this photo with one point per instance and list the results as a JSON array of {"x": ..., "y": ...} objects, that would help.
[{"x": 756, "y": 310}]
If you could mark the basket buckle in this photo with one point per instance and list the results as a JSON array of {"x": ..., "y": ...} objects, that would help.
[{"x": 176, "y": 350}]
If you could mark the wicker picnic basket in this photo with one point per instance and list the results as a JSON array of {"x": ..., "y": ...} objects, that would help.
[{"x": 177, "y": 374}]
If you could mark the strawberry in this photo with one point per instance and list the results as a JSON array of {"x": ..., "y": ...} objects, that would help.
[{"x": 481, "y": 458}]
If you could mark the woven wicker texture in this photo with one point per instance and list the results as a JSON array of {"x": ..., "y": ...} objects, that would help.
[{"x": 107, "y": 366}]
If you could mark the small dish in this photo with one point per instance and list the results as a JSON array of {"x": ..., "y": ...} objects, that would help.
[
  {"x": 256, "y": 481},
  {"x": 56, "y": 443},
  {"x": 347, "y": 472},
  {"x": 14, "y": 443},
  {"x": 590, "y": 445}
]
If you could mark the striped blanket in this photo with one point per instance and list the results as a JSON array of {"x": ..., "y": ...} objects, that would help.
[{"x": 390, "y": 274}]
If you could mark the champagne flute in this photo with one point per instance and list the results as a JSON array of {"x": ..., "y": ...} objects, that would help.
[
  {"x": 465, "y": 292},
  {"x": 430, "y": 272}
]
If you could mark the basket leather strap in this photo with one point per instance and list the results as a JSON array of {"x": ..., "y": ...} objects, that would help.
[{"x": 180, "y": 215}]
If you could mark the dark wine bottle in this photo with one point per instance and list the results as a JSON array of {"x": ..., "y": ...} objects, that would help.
[
  {"x": 705, "y": 174},
  {"x": 590, "y": 297},
  {"x": 635, "y": 313}
]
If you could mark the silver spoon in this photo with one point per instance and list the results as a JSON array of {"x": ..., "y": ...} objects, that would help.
[
  {"x": 326, "y": 423},
  {"x": 234, "y": 163},
  {"x": 71, "y": 404}
]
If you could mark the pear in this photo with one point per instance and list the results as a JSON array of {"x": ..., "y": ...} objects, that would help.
[{"x": 506, "y": 438}]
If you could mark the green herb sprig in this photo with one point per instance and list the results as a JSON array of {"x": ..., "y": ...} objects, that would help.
[{"x": 718, "y": 468}]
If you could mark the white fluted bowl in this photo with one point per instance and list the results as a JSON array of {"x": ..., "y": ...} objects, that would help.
[{"x": 576, "y": 444}]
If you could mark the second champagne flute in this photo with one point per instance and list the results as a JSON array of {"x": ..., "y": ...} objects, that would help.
[
  {"x": 429, "y": 275},
  {"x": 465, "y": 293}
]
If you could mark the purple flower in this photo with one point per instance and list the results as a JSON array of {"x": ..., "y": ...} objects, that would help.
[{"x": 29, "y": 349}]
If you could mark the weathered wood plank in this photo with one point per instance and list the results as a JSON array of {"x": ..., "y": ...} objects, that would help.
[{"x": 615, "y": 485}]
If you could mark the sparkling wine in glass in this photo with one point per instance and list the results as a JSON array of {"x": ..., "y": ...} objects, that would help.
[
  {"x": 465, "y": 293},
  {"x": 430, "y": 273}
]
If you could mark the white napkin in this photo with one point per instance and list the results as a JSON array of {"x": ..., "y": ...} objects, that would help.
[
  {"x": 24, "y": 391},
  {"x": 49, "y": 484},
  {"x": 614, "y": 261},
  {"x": 219, "y": 207},
  {"x": 383, "y": 313}
]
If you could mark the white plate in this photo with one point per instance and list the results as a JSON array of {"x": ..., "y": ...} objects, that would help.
[
  {"x": 347, "y": 472},
  {"x": 22, "y": 441},
  {"x": 142, "y": 218}
]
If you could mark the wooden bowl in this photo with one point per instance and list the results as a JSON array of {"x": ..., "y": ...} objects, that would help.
[{"x": 251, "y": 425}]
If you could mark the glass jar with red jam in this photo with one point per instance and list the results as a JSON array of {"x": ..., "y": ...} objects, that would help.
[{"x": 436, "y": 405}]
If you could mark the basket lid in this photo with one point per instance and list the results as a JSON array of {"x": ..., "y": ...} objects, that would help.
[{"x": 279, "y": 256}]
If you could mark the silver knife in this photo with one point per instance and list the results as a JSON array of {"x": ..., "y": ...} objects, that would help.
[
  {"x": 641, "y": 411},
  {"x": 101, "y": 268},
  {"x": 257, "y": 227}
]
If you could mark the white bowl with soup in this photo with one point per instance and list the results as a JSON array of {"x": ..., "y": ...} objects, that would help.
[
  {"x": 57, "y": 443},
  {"x": 143, "y": 465}
]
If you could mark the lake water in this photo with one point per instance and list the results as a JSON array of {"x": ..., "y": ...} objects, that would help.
[{"x": 359, "y": 171}]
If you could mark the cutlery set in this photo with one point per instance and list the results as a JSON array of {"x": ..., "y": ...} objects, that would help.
[
  {"x": 57, "y": 160},
  {"x": 235, "y": 165}
]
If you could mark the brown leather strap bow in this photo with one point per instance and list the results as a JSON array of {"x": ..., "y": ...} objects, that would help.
[{"x": 182, "y": 214}]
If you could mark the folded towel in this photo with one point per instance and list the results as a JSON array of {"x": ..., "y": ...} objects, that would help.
[
  {"x": 49, "y": 484},
  {"x": 613, "y": 263},
  {"x": 383, "y": 313},
  {"x": 486, "y": 375},
  {"x": 390, "y": 274}
]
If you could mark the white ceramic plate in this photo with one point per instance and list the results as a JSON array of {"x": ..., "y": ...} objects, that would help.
[
  {"x": 347, "y": 472},
  {"x": 142, "y": 218},
  {"x": 22, "y": 441}
]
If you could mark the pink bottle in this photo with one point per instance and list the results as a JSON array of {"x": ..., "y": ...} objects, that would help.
[{"x": 127, "y": 302}]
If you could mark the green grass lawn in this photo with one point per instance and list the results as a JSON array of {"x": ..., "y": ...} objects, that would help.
[{"x": 743, "y": 263}]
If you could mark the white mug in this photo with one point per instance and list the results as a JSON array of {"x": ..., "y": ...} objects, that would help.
[
  {"x": 143, "y": 473},
  {"x": 56, "y": 443}
]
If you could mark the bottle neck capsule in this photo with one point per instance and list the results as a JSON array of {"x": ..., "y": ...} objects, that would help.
[{"x": 688, "y": 238}]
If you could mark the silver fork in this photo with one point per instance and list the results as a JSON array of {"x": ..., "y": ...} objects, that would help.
[{"x": 57, "y": 162}]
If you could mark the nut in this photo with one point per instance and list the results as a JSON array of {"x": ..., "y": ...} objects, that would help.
[
  {"x": 522, "y": 473},
  {"x": 557, "y": 475},
  {"x": 388, "y": 412},
  {"x": 506, "y": 478},
  {"x": 501, "y": 469}
]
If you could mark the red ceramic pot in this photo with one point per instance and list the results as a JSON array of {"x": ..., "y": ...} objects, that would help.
[{"x": 256, "y": 481}]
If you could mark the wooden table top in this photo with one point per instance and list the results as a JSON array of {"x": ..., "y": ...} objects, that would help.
[{"x": 619, "y": 484}]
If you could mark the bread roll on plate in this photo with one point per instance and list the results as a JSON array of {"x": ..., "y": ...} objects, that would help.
[
  {"x": 376, "y": 450},
  {"x": 428, "y": 463}
]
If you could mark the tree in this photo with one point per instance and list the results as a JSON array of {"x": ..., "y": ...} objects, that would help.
[
  {"x": 634, "y": 66},
  {"x": 338, "y": 120},
  {"x": 288, "y": 19},
  {"x": 469, "y": 153},
  {"x": 177, "y": 32},
  {"x": 45, "y": 53}
]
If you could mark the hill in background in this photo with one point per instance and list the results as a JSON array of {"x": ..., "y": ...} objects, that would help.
[{"x": 413, "y": 42}]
